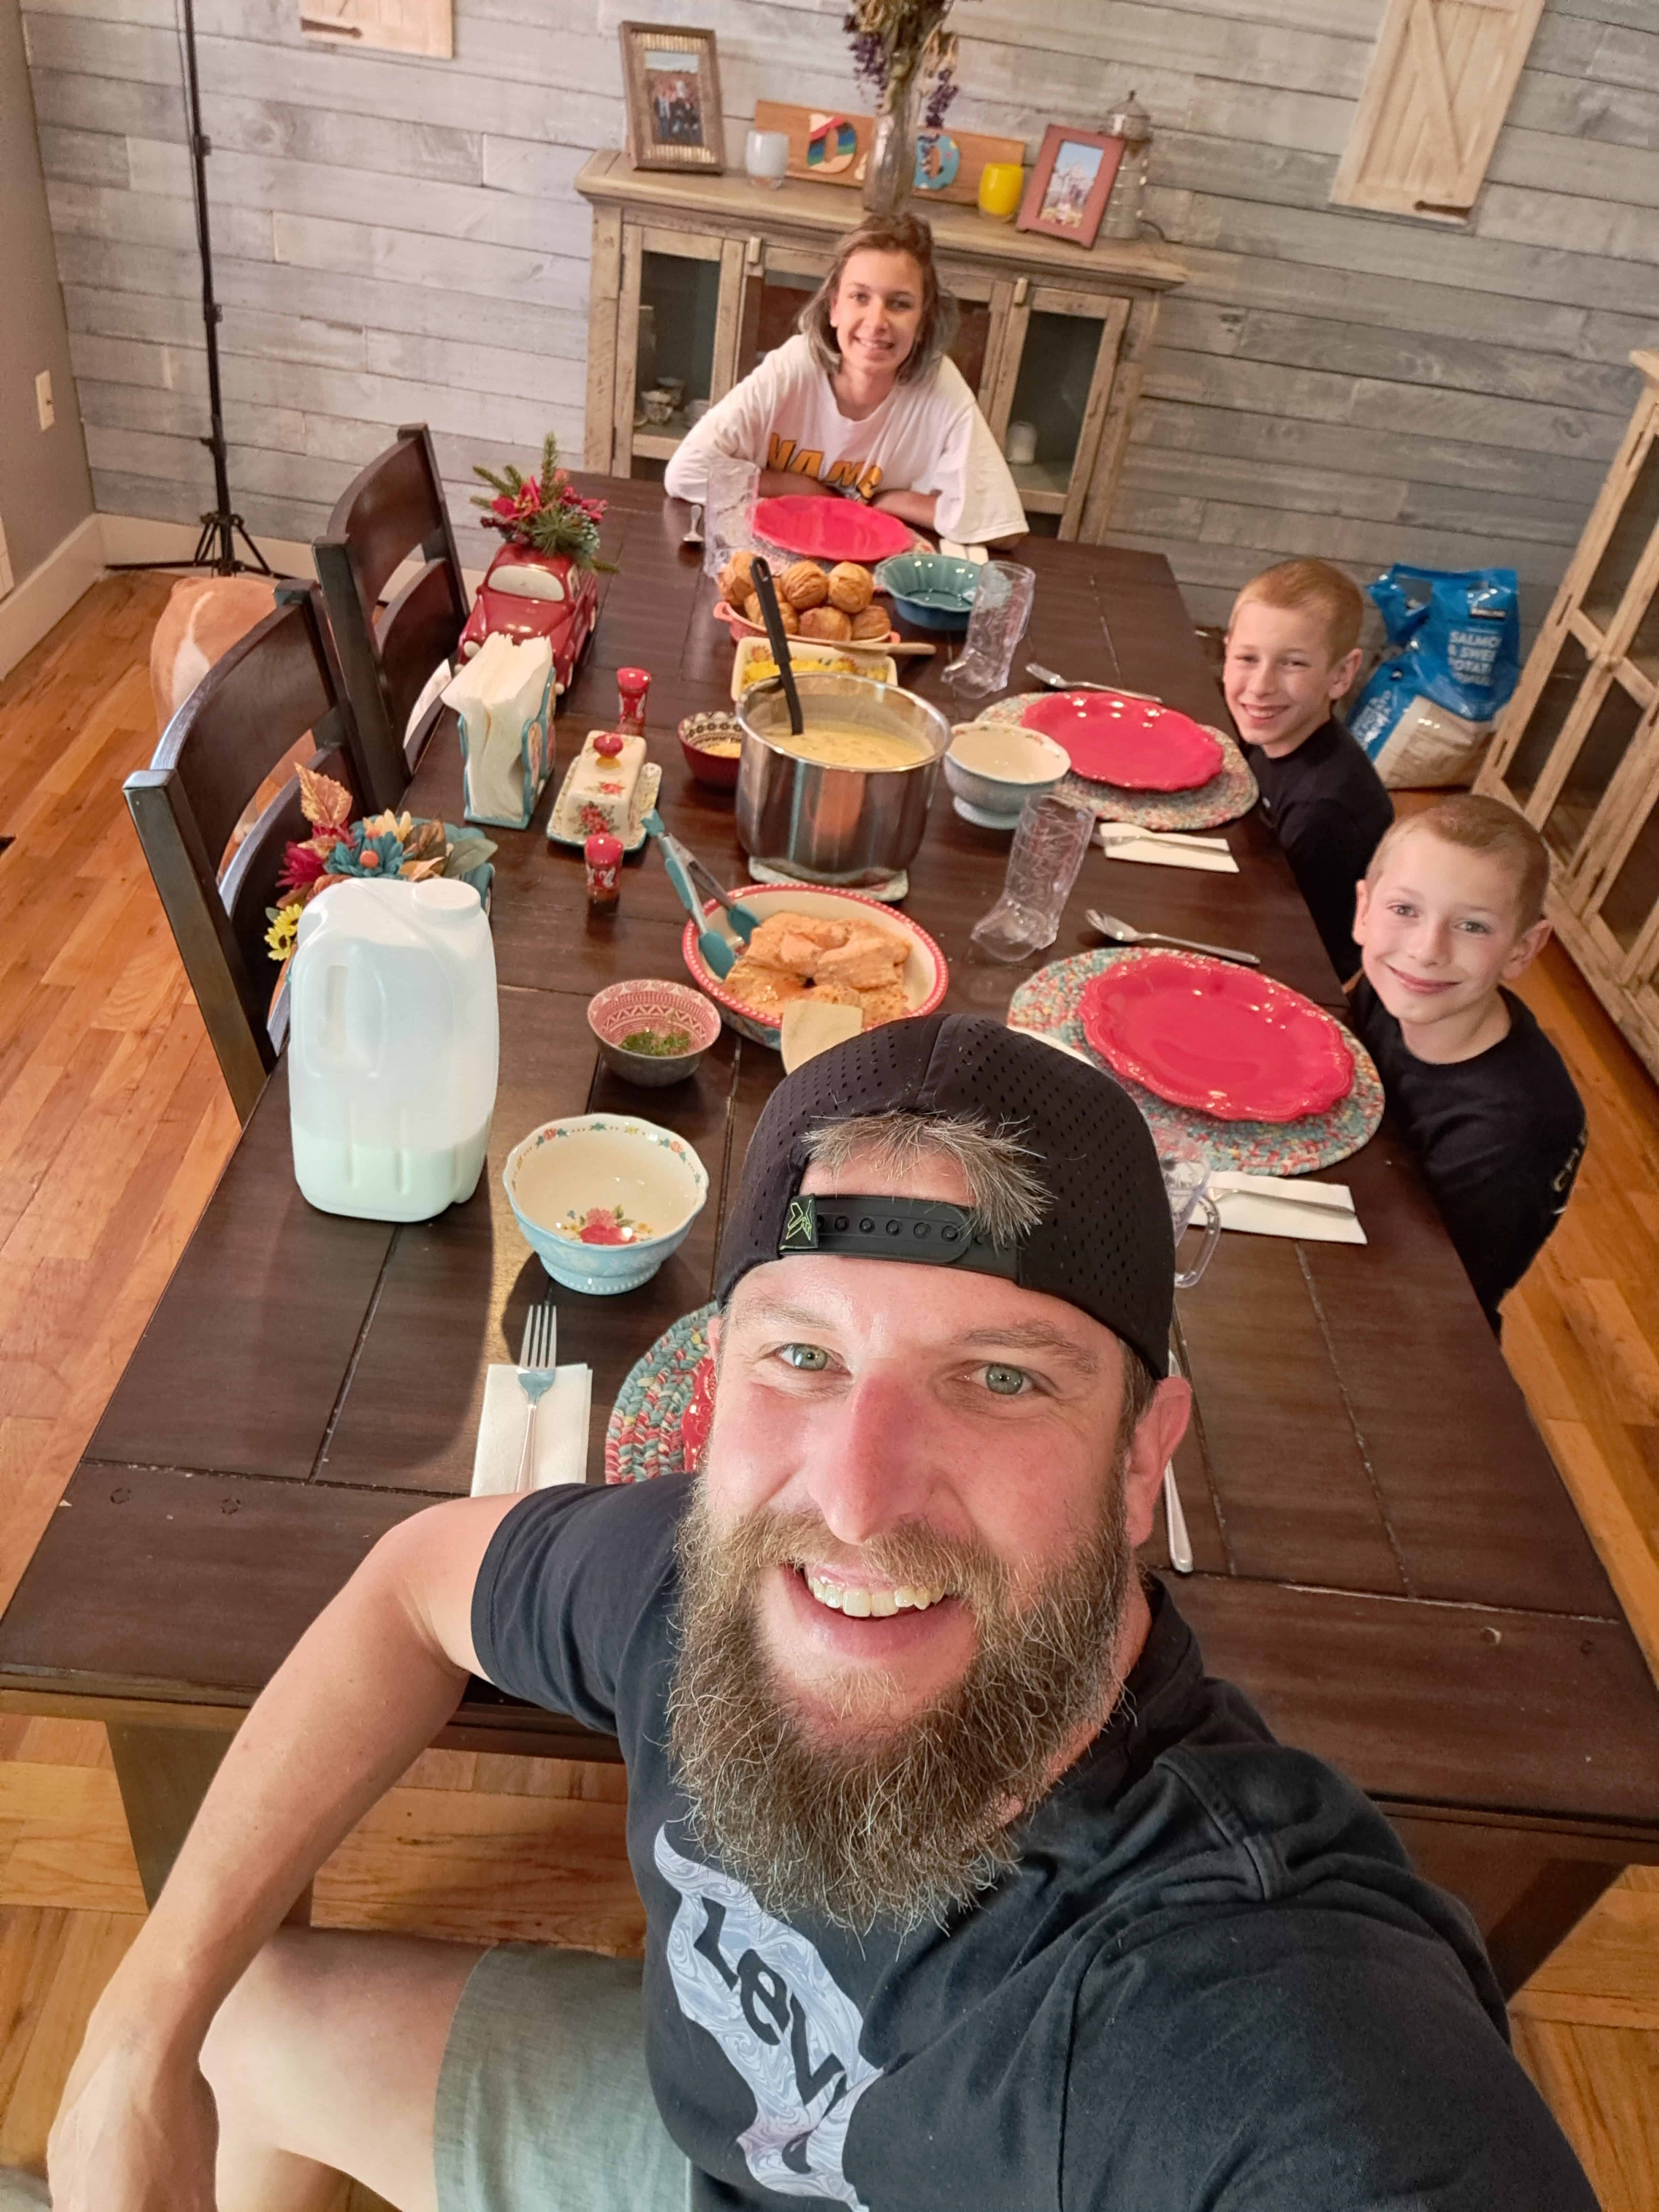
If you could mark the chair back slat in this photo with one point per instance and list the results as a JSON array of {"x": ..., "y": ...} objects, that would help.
[
  {"x": 393, "y": 511},
  {"x": 250, "y": 710}
]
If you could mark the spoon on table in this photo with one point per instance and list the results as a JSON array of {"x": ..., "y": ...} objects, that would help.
[
  {"x": 1059, "y": 683},
  {"x": 760, "y": 575},
  {"x": 1122, "y": 933},
  {"x": 693, "y": 536}
]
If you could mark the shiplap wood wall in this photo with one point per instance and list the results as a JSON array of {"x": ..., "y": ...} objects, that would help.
[{"x": 399, "y": 238}]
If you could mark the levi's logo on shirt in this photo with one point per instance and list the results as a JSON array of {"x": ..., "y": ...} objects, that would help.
[
  {"x": 764, "y": 1994},
  {"x": 782, "y": 453}
]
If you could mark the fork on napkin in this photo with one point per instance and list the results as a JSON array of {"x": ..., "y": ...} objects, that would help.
[
  {"x": 1287, "y": 1205},
  {"x": 533, "y": 1431},
  {"x": 1122, "y": 841}
]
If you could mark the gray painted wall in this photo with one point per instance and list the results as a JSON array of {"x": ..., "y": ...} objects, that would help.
[
  {"x": 399, "y": 239},
  {"x": 45, "y": 490}
]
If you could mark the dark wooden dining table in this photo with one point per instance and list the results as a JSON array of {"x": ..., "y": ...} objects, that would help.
[{"x": 1385, "y": 1556}]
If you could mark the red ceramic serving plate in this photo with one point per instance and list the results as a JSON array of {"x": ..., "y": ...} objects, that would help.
[
  {"x": 1204, "y": 1034},
  {"x": 831, "y": 529},
  {"x": 1134, "y": 743}
]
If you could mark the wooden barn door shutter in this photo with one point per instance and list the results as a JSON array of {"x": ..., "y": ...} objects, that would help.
[{"x": 1434, "y": 100}]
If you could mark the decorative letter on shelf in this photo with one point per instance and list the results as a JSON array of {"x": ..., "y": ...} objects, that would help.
[{"x": 1434, "y": 100}]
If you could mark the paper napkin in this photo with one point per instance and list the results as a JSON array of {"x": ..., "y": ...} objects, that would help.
[
  {"x": 561, "y": 1431},
  {"x": 1268, "y": 1205},
  {"x": 1165, "y": 852}
]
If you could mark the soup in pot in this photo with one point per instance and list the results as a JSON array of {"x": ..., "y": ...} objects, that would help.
[{"x": 847, "y": 745}]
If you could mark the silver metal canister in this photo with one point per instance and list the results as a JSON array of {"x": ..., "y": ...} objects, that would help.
[{"x": 834, "y": 825}]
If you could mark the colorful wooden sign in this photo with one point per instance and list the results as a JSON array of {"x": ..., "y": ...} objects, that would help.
[{"x": 830, "y": 148}]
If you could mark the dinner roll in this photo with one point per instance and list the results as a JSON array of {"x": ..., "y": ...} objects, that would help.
[
  {"x": 733, "y": 581},
  {"x": 851, "y": 587},
  {"x": 827, "y": 622},
  {"x": 787, "y": 616},
  {"x": 871, "y": 621},
  {"x": 804, "y": 584}
]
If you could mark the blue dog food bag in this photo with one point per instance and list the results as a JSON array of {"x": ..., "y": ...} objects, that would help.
[{"x": 1453, "y": 659}]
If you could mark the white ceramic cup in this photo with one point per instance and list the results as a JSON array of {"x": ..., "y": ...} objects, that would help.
[
  {"x": 766, "y": 157},
  {"x": 1021, "y": 448}
]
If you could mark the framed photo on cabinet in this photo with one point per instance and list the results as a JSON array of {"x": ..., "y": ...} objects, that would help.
[
  {"x": 671, "y": 82},
  {"x": 1069, "y": 185}
]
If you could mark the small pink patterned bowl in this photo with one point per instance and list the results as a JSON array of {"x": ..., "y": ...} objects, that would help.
[{"x": 621, "y": 1010}]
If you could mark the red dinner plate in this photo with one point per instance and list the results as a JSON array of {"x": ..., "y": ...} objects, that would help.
[
  {"x": 831, "y": 529},
  {"x": 1133, "y": 743},
  {"x": 1205, "y": 1034}
]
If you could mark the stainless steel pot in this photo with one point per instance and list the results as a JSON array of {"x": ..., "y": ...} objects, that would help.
[{"x": 834, "y": 825}]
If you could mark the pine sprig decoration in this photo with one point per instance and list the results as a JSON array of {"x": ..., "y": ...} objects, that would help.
[{"x": 546, "y": 512}]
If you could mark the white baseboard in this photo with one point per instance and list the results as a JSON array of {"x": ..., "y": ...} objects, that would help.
[{"x": 46, "y": 593}]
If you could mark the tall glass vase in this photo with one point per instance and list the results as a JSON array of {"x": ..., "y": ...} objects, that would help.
[{"x": 890, "y": 171}]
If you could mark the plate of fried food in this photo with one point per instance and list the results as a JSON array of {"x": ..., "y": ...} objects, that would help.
[
  {"x": 815, "y": 943},
  {"x": 829, "y": 606}
]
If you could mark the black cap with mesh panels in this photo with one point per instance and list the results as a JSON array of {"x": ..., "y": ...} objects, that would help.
[{"x": 1105, "y": 1243}]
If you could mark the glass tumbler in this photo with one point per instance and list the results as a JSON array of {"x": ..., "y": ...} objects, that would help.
[
  {"x": 1051, "y": 838},
  {"x": 1186, "y": 1185},
  {"x": 728, "y": 508},
  {"x": 1002, "y": 609}
]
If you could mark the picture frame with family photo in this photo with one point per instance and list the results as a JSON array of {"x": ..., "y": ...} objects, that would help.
[
  {"x": 671, "y": 84},
  {"x": 1069, "y": 185}
]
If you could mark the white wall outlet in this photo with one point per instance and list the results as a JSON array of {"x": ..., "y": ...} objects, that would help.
[{"x": 43, "y": 406}]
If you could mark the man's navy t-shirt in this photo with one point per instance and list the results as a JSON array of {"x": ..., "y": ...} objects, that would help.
[{"x": 1210, "y": 1983}]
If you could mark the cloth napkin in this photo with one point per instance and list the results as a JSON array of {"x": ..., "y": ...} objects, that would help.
[
  {"x": 561, "y": 1431},
  {"x": 1165, "y": 852},
  {"x": 1266, "y": 1206}
]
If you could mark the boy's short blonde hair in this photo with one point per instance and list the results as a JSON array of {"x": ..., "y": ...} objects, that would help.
[
  {"x": 1317, "y": 586},
  {"x": 1486, "y": 826}
]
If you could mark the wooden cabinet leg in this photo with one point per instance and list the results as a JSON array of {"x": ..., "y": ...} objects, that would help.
[
  {"x": 1552, "y": 1904},
  {"x": 163, "y": 1774}
]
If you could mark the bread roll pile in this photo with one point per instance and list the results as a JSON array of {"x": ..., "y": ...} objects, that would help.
[{"x": 834, "y": 607}]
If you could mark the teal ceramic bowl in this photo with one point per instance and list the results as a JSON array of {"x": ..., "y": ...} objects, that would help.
[
  {"x": 934, "y": 590},
  {"x": 602, "y": 1199}
]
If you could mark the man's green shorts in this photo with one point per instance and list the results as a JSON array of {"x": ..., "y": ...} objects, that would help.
[{"x": 543, "y": 2101}]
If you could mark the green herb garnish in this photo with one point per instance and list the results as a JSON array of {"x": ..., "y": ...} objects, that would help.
[{"x": 661, "y": 1044}]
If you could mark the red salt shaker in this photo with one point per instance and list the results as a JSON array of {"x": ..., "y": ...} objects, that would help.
[
  {"x": 632, "y": 685},
  {"x": 603, "y": 854}
]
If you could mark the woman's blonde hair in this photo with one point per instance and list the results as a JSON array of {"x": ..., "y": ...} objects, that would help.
[{"x": 896, "y": 233}]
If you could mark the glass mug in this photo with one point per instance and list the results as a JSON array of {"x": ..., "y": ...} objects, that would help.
[{"x": 1186, "y": 1186}]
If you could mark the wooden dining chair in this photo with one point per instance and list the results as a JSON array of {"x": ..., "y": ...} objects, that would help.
[
  {"x": 392, "y": 512},
  {"x": 248, "y": 712}
]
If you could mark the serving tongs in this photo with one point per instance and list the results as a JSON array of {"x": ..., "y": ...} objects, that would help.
[
  {"x": 684, "y": 868},
  {"x": 760, "y": 575}
]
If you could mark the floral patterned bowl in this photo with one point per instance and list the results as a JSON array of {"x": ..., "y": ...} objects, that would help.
[
  {"x": 602, "y": 1199},
  {"x": 621, "y": 1010}
]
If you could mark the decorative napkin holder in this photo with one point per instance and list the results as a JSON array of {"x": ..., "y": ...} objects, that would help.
[{"x": 503, "y": 701}]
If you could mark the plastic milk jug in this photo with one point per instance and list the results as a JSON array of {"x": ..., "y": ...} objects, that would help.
[{"x": 392, "y": 1047}]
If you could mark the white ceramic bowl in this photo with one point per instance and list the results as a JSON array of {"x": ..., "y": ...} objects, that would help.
[
  {"x": 924, "y": 975},
  {"x": 993, "y": 769},
  {"x": 649, "y": 1182}
]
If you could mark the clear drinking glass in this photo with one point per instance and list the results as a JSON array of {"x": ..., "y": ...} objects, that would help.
[
  {"x": 1187, "y": 1183},
  {"x": 1049, "y": 842},
  {"x": 1002, "y": 609},
  {"x": 728, "y": 508}
]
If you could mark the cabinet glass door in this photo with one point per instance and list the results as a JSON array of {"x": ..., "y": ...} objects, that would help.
[
  {"x": 1599, "y": 757},
  {"x": 1054, "y": 378},
  {"x": 1557, "y": 697},
  {"x": 1637, "y": 519},
  {"x": 1626, "y": 906}
]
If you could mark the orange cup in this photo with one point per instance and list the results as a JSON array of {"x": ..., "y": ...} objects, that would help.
[{"x": 1001, "y": 185}]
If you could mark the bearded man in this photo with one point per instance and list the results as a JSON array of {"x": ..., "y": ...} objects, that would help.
[{"x": 963, "y": 1884}]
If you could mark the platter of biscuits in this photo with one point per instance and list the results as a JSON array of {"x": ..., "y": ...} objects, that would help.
[{"x": 836, "y": 606}]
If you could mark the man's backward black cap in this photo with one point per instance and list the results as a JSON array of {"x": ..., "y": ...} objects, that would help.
[{"x": 1105, "y": 1243}]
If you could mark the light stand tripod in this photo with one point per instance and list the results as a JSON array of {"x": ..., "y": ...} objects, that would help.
[{"x": 215, "y": 548}]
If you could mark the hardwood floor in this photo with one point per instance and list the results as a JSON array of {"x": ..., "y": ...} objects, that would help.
[{"x": 114, "y": 1124}]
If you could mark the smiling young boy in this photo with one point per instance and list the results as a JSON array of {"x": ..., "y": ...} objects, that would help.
[
  {"x": 1292, "y": 651},
  {"x": 1451, "y": 909}
]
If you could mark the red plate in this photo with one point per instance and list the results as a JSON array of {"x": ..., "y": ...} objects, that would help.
[
  {"x": 1205, "y": 1034},
  {"x": 831, "y": 529},
  {"x": 1133, "y": 743}
]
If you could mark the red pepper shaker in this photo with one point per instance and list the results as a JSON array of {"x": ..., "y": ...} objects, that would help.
[
  {"x": 632, "y": 685},
  {"x": 603, "y": 854}
]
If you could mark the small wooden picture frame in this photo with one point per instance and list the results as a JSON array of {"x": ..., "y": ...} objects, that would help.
[
  {"x": 671, "y": 82},
  {"x": 1069, "y": 185}
]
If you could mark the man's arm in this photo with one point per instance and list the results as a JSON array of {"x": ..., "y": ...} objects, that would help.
[{"x": 364, "y": 1691}]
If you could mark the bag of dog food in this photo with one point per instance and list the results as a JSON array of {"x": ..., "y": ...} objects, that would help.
[{"x": 1453, "y": 659}]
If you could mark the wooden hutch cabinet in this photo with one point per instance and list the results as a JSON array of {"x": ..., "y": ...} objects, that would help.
[
  {"x": 1577, "y": 750},
  {"x": 697, "y": 277}
]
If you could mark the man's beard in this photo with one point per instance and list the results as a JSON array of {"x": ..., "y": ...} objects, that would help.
[{"x": 906, "y": 1823}]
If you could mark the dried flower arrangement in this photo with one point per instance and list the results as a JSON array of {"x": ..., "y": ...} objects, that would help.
[
  {"x": 545, "y": 512},
  {"x": 379, "y": 846},
  {"x": 895, "y": 42}
]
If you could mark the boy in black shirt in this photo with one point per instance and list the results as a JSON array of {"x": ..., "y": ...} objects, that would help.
[
  {"x": 1450, "y": 910},
  {"x": 1292, "y": 651}
]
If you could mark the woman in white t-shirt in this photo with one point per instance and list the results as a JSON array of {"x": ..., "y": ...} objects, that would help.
[{"x": 864, "y": 401}]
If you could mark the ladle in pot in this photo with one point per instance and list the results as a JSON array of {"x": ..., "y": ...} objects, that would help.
[{"x": 760, "y": 575}]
